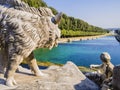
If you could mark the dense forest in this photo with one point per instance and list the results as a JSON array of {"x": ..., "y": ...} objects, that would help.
[{"x": 70, "y": 26}]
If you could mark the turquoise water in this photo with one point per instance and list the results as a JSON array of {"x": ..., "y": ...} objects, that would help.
[{"x": 81, "y": 53}]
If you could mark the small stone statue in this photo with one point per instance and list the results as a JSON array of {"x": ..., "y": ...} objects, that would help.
[
  {"x": 104, "y": 71},
  {"x": 106, "y": 68}
]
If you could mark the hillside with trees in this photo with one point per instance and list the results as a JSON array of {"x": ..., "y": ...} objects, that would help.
[{"x": 70, "y": 26}]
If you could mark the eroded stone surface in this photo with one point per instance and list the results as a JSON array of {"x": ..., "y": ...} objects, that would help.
[{"x": 67, "y": 77}]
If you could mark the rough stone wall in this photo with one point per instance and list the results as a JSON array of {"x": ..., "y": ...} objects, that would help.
[{"x": 116, "y": 77}]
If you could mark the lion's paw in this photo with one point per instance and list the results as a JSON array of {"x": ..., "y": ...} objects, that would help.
[
  {"x": 10, "y": 82},
  {"x": 40, "y": 74}
]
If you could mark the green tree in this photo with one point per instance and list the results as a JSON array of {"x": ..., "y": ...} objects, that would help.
[
  {"x": 36, "y": 3},
  {"x": 70, "y": 26}
]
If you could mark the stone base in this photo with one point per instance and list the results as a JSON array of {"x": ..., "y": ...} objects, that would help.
[{"x": 67, "y": 77}]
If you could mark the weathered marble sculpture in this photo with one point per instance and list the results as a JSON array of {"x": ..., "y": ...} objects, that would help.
[
  {"x": 22, "y": 30},
  {"x": 105, "y": 71},
  {"x": 106, "y": 68},
  {"x": 117, "y": 35}
]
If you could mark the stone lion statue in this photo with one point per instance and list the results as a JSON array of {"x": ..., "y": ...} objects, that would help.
[{"x": 22, "y": 30}]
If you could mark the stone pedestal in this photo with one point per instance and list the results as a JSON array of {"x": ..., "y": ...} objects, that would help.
[
  {"x": 116, "y": 77},
  {"x": 67, "y": 77}
]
